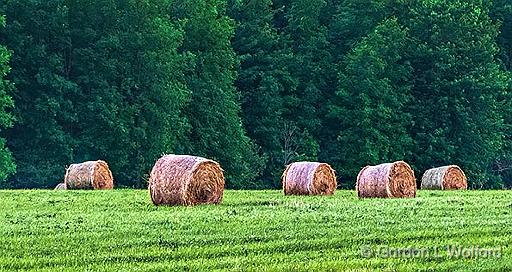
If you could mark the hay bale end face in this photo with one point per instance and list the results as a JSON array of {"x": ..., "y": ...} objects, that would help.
[
  {"x": 309, "y": 178},
  {"x": 186, "y": 180},
  {"x": 444, "y": 178},
  {"x": 89, "y": 175},
  {"x": 389, "y": 180},
  {"x": 60, "y": 186}
]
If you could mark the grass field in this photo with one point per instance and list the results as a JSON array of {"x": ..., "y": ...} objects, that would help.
[{"x": 253, "y": 230}]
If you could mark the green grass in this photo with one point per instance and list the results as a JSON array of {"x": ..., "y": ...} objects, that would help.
[{"x": 252, "y": 230}]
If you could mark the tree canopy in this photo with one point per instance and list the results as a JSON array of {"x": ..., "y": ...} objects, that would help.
[{"x": 255, "y": 85}]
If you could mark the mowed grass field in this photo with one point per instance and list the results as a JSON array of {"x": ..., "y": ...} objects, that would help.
[{"x": 121, "y": 230}]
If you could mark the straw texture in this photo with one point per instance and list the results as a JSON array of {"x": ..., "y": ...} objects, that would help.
[
  {"x": 309, "y": 178},
  {"x": 186, "y": 180},
  {"x": 89, "y": 175},
  {"x": 386, "y": 180},
  {"x": 449, "y": 177}
]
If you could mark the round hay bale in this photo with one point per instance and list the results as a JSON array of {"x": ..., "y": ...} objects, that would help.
[
  {"x": 449, "y": 177},
  {"x": 309, "y": 178},
  {"x": 60, "y": 186},
  {"x": 186, "y": 180},
  {"x": 386, "y": 180},
  {"x": 89, "y": 175}
]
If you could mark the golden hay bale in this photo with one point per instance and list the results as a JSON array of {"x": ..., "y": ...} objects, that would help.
[
  {"x": 386, "y": 180},
  {"x": 186, "y": 180},
  {"x": 89, "y": 175},
  {"x": 449, "y": 177},
  {"x": 60, "y": 186},
  {"x": 309, "y": 178}
]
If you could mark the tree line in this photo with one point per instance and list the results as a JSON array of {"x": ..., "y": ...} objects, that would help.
[{"x": 255, "y": 85}]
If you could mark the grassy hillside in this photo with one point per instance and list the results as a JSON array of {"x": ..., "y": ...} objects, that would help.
[{"x": 252, "y": 230}]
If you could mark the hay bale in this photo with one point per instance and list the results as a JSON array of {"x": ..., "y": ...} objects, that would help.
[
  {"x": 309, "y": 178},
  {"x": 89, "y": 175},
  {"x": 449, "y": 177},
  {"x": 60, "y": 186},
  {"x": 386, "y": 180},
  {"x": 186, "y": 180}
]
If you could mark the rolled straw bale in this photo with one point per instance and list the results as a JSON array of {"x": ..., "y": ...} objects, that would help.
[
  {"x": 309, "y": 178},
  {"x": 186, "y": 180},
  {"x": 449, "y": 177},
  {"x": 60, "y": 186},
  {"x": 386, "y": 180},
  {"x": 89, "y": 175}
]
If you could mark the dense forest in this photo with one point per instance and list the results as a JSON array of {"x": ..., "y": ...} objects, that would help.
[{"x": 255, "y": 85}]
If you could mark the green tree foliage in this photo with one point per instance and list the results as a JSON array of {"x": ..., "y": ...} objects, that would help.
[
  {"x": 7, "y": 166},
  {"x": 264, "y": 81},
  {"x": 345, "y": 82},
  {"x": 371, "y": 101},
  {"x": 214, "y": 112},
  {"x": 449, "y": 91},
  {"x": 96, "y": 80},
  {"x": 458, "y": 87},
  {"x": 38, "y": 33},
  {"x": 501, "y": 11},
  {"x": 132, "y": 86},
  {"x": 314, "y": 70},
  {"x": 350, "y": 23},
  {"x": 354, "y": 20}
]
